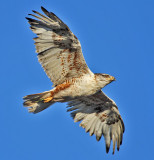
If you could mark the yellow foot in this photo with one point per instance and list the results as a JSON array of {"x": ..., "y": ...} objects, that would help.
[{"x": 48, "y": 99}]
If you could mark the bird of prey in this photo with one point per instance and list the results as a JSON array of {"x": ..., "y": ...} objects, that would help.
[{"x": 59, "y": 52}]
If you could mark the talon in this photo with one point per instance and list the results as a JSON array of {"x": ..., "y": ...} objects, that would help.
[{"x": 48, "y": 99}]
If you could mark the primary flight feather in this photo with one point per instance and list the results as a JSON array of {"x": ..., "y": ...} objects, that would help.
[{"x": 59, "y": 52}]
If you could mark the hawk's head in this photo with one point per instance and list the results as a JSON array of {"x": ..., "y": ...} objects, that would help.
[{"x": 103, "y": 79}]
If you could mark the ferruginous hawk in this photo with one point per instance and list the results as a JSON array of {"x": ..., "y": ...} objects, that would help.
[{"x": 59, "y": 52}]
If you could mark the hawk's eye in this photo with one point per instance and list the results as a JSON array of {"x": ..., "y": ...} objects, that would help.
[{"x": 106, "y": 75}]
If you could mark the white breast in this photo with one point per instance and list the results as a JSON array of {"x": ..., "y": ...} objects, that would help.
[{"x": 83, "y": 86}]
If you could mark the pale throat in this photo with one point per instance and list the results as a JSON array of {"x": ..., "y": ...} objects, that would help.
[{"x": 101, "y": 83}]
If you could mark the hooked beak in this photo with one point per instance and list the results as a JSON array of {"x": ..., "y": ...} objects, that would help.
[{"x": 111, "y": 78}]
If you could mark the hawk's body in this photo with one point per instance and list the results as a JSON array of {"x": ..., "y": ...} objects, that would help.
[{"x": 59, "y": 52}]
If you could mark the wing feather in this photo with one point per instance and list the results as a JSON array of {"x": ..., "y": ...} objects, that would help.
[
  {"x": 100, "y": 116},
  {"x": 59, "y": 51}
]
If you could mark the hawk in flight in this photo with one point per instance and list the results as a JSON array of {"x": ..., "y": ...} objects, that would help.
[{"x": 59, "y": 52}]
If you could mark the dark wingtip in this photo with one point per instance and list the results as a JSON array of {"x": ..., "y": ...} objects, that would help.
[
  {"x": 98, "y": 138},
  {"x": 107, "y": 149},
  {"x": 29, "y": 19},
  {"x": 43, "y": 9},
  {"x": 118, "y": 148},
  {"x": 87, "y": 131}
]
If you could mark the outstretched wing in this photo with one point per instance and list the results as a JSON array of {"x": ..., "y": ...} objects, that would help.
[
  {"x": 59, "y": 50},
  {"x": 99, "y": 115}
]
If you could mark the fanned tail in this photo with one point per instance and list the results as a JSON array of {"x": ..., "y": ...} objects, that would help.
[{"x": 38, "y": 102}]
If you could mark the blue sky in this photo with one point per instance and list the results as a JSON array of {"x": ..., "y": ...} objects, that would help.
[{"x": 117, "y": 38}]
